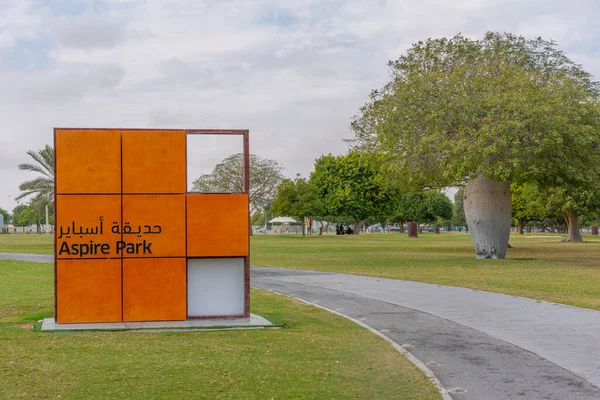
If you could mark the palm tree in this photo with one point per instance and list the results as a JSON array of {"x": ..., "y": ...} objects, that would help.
[{"x": 42, "y": 187}]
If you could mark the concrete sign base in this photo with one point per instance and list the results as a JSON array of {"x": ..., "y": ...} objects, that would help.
[{"x": 253, "y": 322}]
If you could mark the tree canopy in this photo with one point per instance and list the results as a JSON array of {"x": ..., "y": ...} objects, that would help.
[
  {"x": 17, "y": 220},
  {"x": 426, "y": 207},
  {"x": 527, "y": 204},
  {"x": 32, "y": 213},
  {"x": 257, "y": 218},
  {"x": 530, "y": 203},
  {"x": 511, "y": 108},
  {"x": 228, "y": 177},
  {"x": 572, "y": 202},
  {"x": 352, "y": 185},
  {"x": 298, "y": 199}
]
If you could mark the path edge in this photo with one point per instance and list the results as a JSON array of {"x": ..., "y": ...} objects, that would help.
[{"x": 414, "y": 360}]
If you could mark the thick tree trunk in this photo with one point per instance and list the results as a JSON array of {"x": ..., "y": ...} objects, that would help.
[
  {"x": 487, "y": 211},
  {"x": 401, "y": 223},
  {"x": 303, "y": 228},
  {"x": 412, "y": 229},
  {"x": 358, "y": 226},
  {"x": 574, "y": 235},
  {"x": 521, "y": 226},
  {"x": 594, "y": 230},
  {"x": 436, "y": 230}
]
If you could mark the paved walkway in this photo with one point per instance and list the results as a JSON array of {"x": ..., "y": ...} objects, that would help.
[{"x": 480, "y": 345}]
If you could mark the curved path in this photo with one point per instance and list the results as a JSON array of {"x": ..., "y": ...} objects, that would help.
[{"x": 480, "y": 345}]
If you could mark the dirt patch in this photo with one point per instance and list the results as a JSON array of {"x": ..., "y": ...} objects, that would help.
[
  {"x": 541, "y": 236},
  {"x": 25, "y": 326}
]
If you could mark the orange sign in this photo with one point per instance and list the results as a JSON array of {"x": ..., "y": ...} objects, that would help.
[{"x": 125, "y": 225}]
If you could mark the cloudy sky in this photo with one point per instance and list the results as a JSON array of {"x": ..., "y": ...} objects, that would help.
[{"x": 292, "y": 71}]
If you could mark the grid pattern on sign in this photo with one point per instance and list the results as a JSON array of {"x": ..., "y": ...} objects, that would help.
[{"x": 121, "y": 196}]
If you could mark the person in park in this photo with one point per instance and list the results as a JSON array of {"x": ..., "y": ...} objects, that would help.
[{"x": 485, "y": 113}]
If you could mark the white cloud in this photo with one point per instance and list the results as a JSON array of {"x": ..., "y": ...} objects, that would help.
[{"x": 292, "y": 72}]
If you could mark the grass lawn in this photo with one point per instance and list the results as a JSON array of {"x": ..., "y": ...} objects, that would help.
[
  {"x": 539, "y": 266},
  {"x": 319, "y": 356},
  {"x": 28, "y": 244}
]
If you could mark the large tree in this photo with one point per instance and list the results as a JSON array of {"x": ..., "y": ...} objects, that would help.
[
  {"x": 426, "y": 207},
  {"x": 528, "y": 204},
  {"x": 557, "y": 205},
  {"x": 32, "y": 213},
  {"x": 407, "y": 207},
  {"x": 485, "y": 113},
  {"x": 438, "y": 206},
  {"x": 572, "y": 203},
  {"x": 228, "y": 177},
  {"x": 41, "y": 188},
  {"x": 352, "y": 185},
  {"x": 298, "y": 199},
  {"x": 17, "y": 219}
]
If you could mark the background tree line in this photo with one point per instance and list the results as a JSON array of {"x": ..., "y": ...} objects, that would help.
[
  {"x": 511, "y": 121},
  {"x": 354, "y": 188},
  {"x": 502, "y": 112}
]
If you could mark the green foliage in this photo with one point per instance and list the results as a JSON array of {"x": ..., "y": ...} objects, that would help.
[
  {"x": 409, "y": 207},
  {"x": 549, "y": 206},
  {"x": 18, "y": 219},
  {"x": 438, "y": 206},
  {"x": 583, "y": 200},
  {"x": 352, "y": 185},
  {"x": 298, "y": 199},
  {"x": 590, "y": 219},
  {"x": 32, "y": 213},
  {"x": 458, "y": 210},
  {"x": 504, "y": 106},
  {"x": 228, "y": 177},
  {"x": 28, "y": 217},
  {"x": 428, "y": 207},
  {"x": 257, "y": 218},
  {"x": 528, "y": 203},
  {"x": 335, "y": 219},
  {"x": 42, "y": 187},
  {"x": 39, "y": 190}
]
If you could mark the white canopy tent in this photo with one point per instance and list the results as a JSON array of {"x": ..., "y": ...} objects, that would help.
[{"x": 282, "y": 220}]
